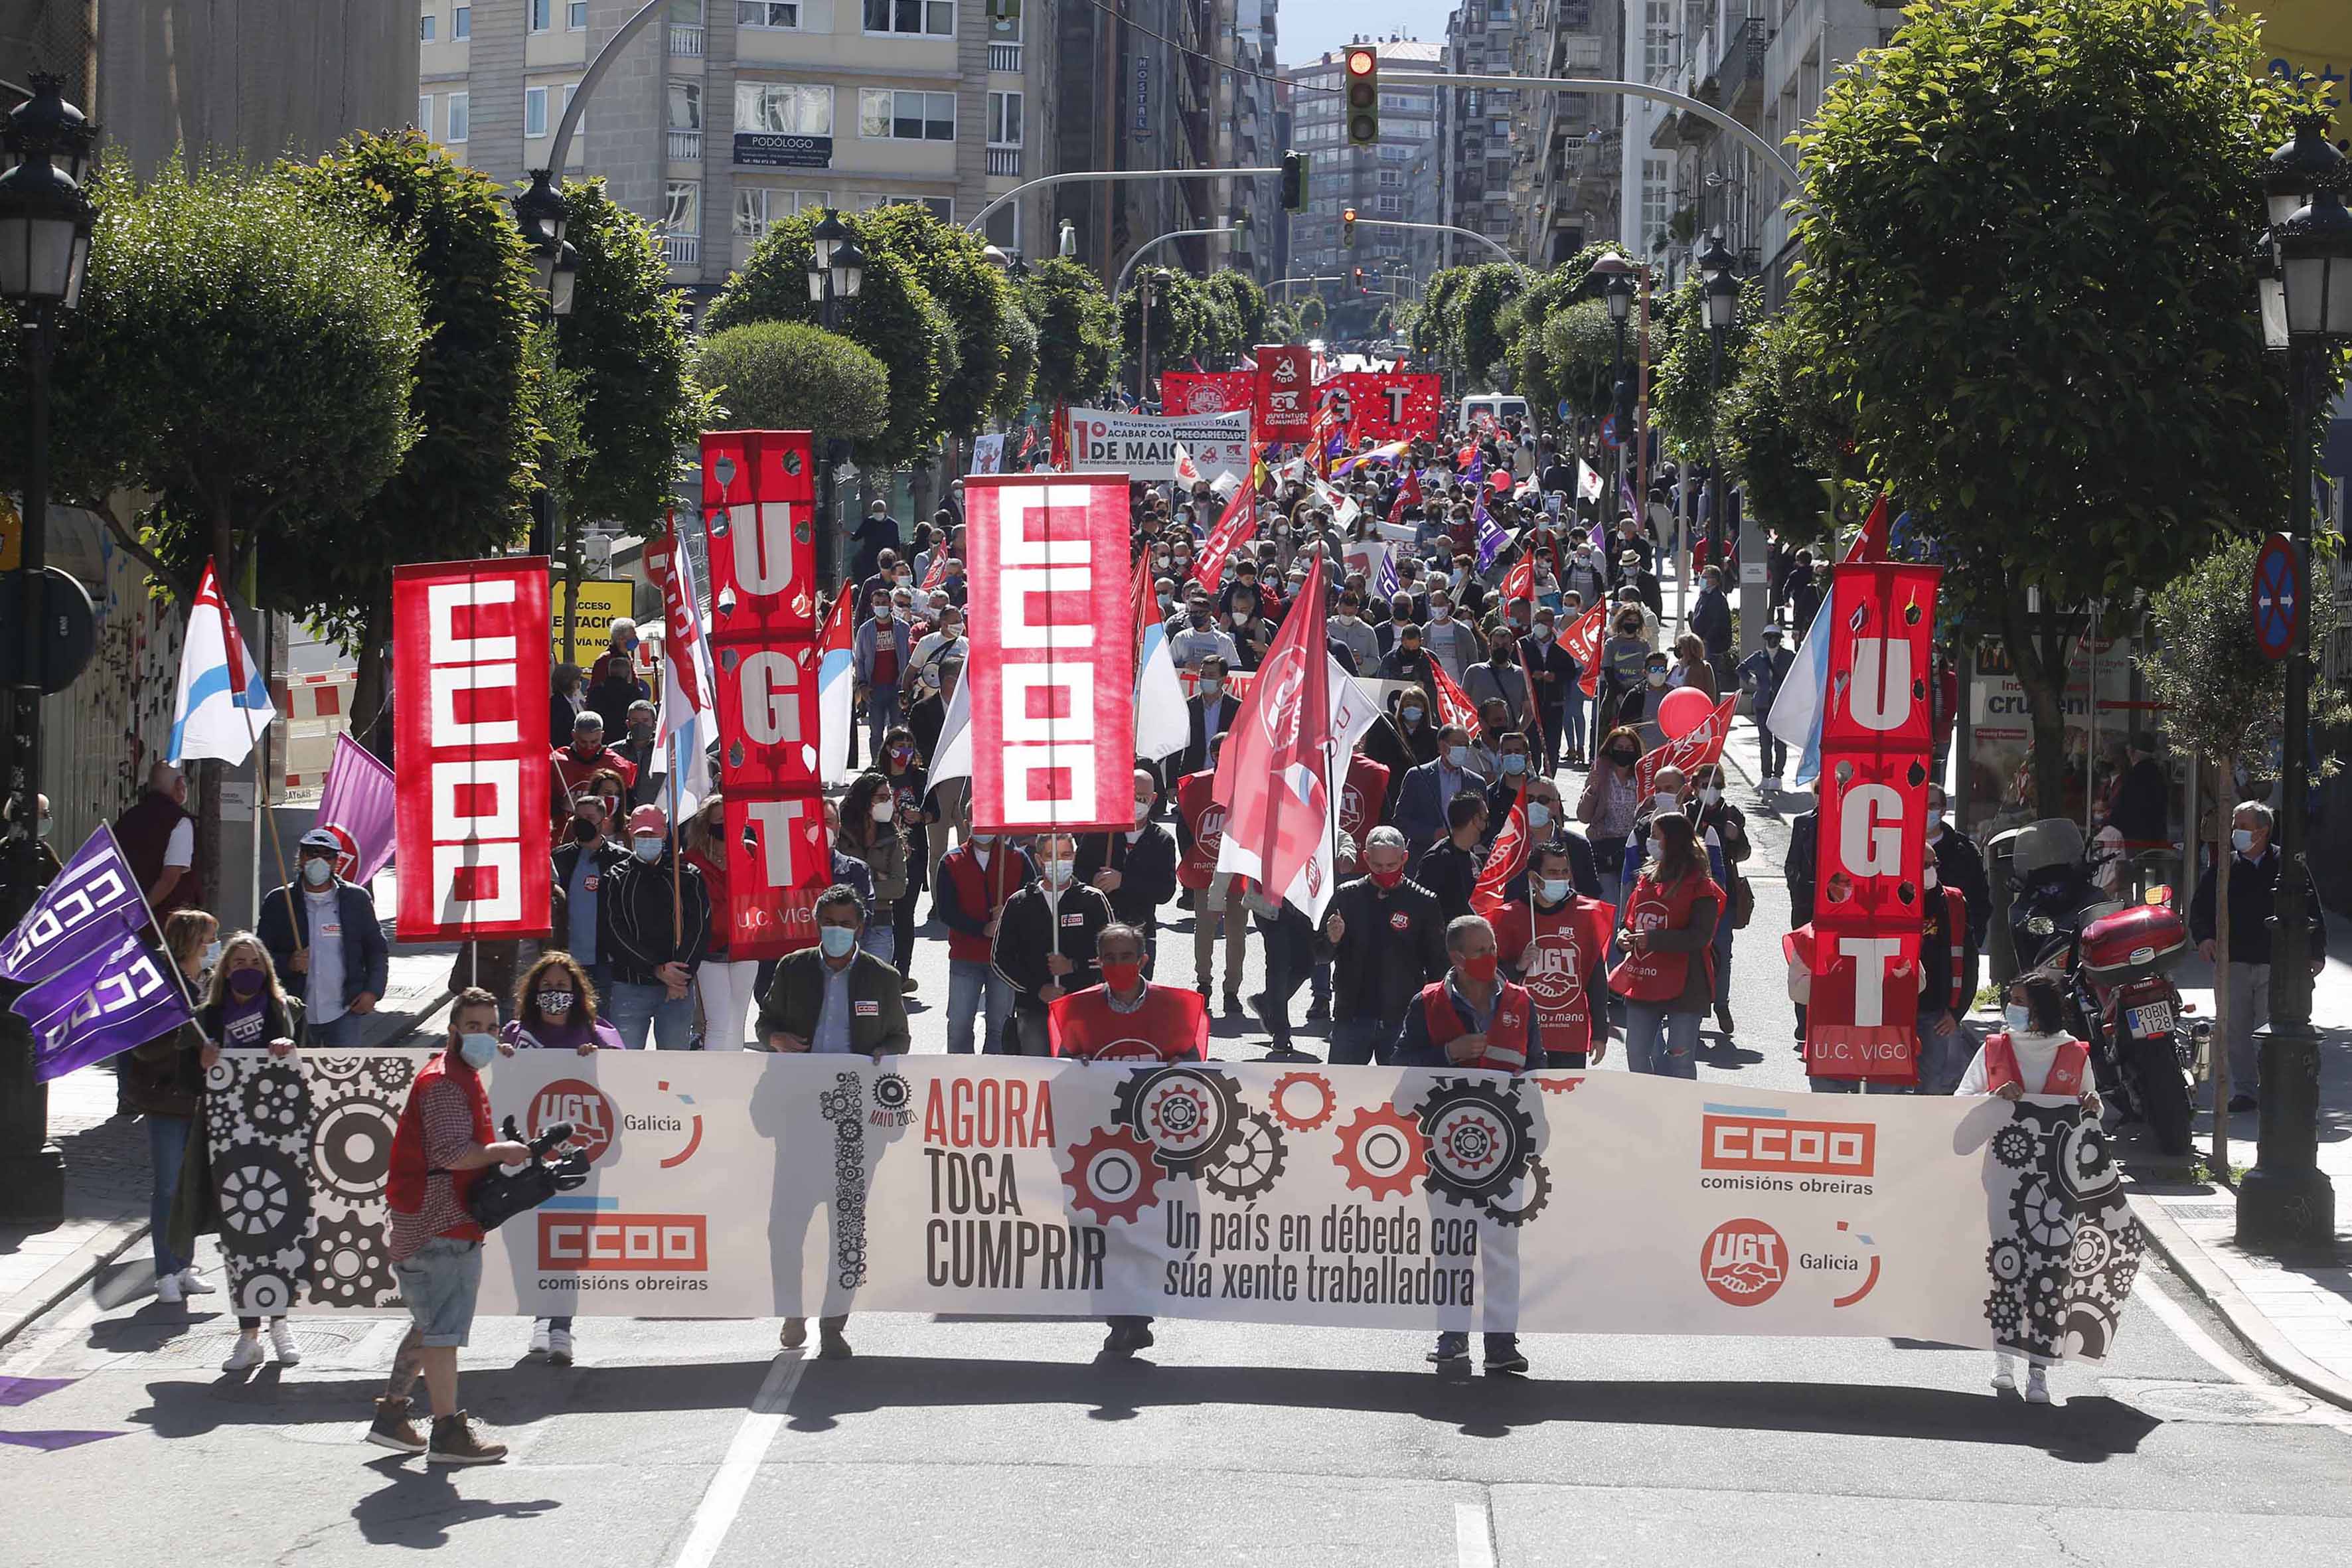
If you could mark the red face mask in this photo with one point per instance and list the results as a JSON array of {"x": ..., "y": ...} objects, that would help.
[
  {"x": 1480, "y": 968},
  {"x": 1387, "y": 878},
  {"x": 1121, "y": 977}
]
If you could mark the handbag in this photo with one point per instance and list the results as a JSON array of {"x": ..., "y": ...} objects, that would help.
[{"x": 1743, "y": 901}]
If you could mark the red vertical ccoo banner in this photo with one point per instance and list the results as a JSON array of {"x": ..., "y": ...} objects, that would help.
[{"x": 759, "y": 503}]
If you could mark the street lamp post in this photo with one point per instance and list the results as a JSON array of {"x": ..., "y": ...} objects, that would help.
[
  {"x": 541, "y": 215},
  {"x": 835, "y": 274},
  {"x": 2286, "y": 1201},
  {"x": 1715, "y": 264},
  {"x": 45, "y": 229},
  {"x": 1617, "y": 287}
]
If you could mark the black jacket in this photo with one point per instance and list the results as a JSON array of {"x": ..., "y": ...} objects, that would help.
[
  {"x": 2254, "y": 888},
  {"x": 2138, "y": 809},
  {"x": 1147, "y": 869},
  {"x": 567, "y": 861},
  {"x": 1027, "y": 932},
  {"x": 1958, "y": 863},
  {"x": 632, "y": 919},
  {"x": 1710, "y": 618},
  {"x": 1195, "y": 754},
  {"x": 1800, "y": 865},
  {"x": 1546, "y": 657},
  {"x": 1449, "y": 873},
  {"x": 1379, "y": 967}
]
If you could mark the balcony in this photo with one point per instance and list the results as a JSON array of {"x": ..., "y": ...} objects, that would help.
[
  {"x": 1578, "y": 52},
  {"x": 682, "y": 249},
  {"x": 1740, "y": 75},
  {"x": 1004, "y": 57},
  {"x": 686, "y": 40},
  {"x": 1004, "y": 161},
  {"x": 686, "y": 146}
]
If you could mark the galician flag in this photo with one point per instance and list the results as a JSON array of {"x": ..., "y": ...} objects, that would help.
[
  {"x": 1162, "y": 724},
  {"x": 223, "y": 704},
  {"x": 1588, "y": 480},
  {"x": 689, "y": 713},
  {"x": 1796, "y": 717},
  {"x": 836, "y": 708}
]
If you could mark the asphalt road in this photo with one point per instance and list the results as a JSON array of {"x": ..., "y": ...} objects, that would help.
[{"x": 997, "y": 1441}]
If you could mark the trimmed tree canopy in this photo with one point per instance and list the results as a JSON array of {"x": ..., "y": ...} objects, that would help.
[{"x": 782, "y": 376}]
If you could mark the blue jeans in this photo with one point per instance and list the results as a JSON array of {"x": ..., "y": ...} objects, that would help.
[
  {"x": 636, "y": 1009},
  {"x": 167, "y": 1145},
  {"x": 972, "y": 987},
  {"x": 1660, "y": 1043},
  {"x": 881, "y": 712},
  {"x": 346, "y": 1033},
  {"x": 1857, "y": 1086},
  {"x": 879, "y": 939},
  {"x": 1358, "y": 1042},
  {"x": 1942, "y": 1058}
]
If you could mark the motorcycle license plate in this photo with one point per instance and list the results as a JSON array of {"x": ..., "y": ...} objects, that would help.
[{"x": 2155, "y": 1018}]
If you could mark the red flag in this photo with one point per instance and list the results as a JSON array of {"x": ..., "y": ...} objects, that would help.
[
  {"x": 1505, "y": 860},
  {"x": 1701, "y": 748},
  {"x": 1057, "y": 450},
  {"x": 935, "y": 575},
  {"x": 1453, "y": 706},
  {"x": 1028, "y": 441},
  {"x": 834, "y": 635},
  {"x": 1139, "y": 595},
  {"x": 1870, "y": 544},
  {"x": 1519, "y": 582},
  {"x": 1583, "y": 639},
  {"x": 1233, "y": 531},
  {"x": 1273, "y": 775}
]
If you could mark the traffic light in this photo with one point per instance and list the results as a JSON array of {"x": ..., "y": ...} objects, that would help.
[
  {"x": 1348, "y": 227},
  {"x": 1293, "y": 183},
  {"x": 1625, "y": 410},
  {"x": 1363, "y": 95}
]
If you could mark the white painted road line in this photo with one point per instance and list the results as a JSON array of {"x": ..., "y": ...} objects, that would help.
[
  {"x": 723, "y": 1499},
  {"x": 1473, "y": 1543}
]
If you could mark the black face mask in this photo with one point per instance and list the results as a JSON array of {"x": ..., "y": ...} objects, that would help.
[
  {"x": 1625, "y": 759},
  {"x": 584, "y": 830}
]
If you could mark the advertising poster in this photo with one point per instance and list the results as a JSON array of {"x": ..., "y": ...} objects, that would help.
[{"x": 1143, "y": 446}]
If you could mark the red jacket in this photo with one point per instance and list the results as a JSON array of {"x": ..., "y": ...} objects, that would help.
[
  {"x": 572, "y": 775},
  {"x": 403, "y": 1188},
  {"x": 969, "y": 898}
]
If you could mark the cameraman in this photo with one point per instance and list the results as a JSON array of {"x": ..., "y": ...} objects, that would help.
[{"x": 442, "y": 1145}]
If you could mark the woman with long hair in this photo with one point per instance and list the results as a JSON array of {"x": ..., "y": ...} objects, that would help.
[
  {"x": 870, "y": 834},
  {"x": 1609, "y": 805},
  {"x": 1691, "y": 668},
  {"x": 728, "y": 985},
  {"x": 555, "y": 1009},
  {"x": 1668, "y": 975},
  {"x": 245, "y": 1009},
  {"x": 162, "y": 1082}
]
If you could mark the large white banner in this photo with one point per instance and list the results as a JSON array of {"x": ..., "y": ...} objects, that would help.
[
  {"x": 1143, "y": 446},
  {"x": 736, "y": 1185}
]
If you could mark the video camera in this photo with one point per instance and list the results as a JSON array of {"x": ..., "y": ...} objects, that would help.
[{"x": 500, "y": 1195}]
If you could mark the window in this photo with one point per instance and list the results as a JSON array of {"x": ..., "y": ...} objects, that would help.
[
  {"x": 1657, "y": 38},
  {"x": 685, "y": 103},
  {"x": 1004, "y": 227},
  {"x": 534, "y": 111},
  {"x": 1392, "y": 176},
  {"x": 1499, "y": 128},
  {"x": 1653, "y": 201},
  {"x": 1003, "y": 30},
  {"x": 779, "y": 106},
  {"x": 424, "y": 26},
  {"x": 1004, "y": 120},
  {"x": 885, "y": 114},
  {"x": 541, "y": 15},
  {"x": 461, "y": 115},
  {"x": 575, "y": 16},
  {"x": 777, "y": 14},
  {"x": 935, "y": 19},
  {"x": 1391, "y": 205},
  {"x": 940, "y": 207},
  {"x": 578, "y": 126},
  {"x": 759, "y": 206},
  {"x": 424, "y": 113},
  {"x": 681, "y": 208},
  {"x": 461, "y": 23}
]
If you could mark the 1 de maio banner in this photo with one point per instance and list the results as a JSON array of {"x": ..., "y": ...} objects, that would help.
[
  {"x": 735, "y": 1185},
  {"x": 1053, "y": 655},
  {"x": 469, "y": 657},
  {"x": 759, "y": 503},
  {"x": 1876, "y": 751}
]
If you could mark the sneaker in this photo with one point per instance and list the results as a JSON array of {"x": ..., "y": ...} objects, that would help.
[
  {"x": 1319, "y": 1010},
  {"x": 793, "y": 1334},
  {"x": 1506, "y": 1363},
  {"x": 559, "y": 1347},
  {"x": 2037, "y": 1387},
  {"x": 2004, "y": 1382},
  {"x": 1115, "y": 1345},
  {"x": 195, "y": 1284},
  {"x": 538, "y": 1338},
  {"x": 1723, "y": 1016},
  {"x": 831, "y": 1345},
  {"x": 281, "y": 1341},
  {"x": 246, "y": 1356},
  {"x": 1233, "y": 1003},
  {"x": 1450, "y": 1359},
  {"x": 168, "y": 1289},
  {"x": 907, "y": 986},
  {"x": 394, "y": 1429},
  {"x": 453, "y": 1443}
]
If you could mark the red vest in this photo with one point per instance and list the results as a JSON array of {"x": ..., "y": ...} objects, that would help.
[
  {"x": 980, "y": 893},
  {"x": 1362, "y": 797},
  {"x": 404, "y": 1187},
  {"x": 145, "y": 832},
  {"x": 1507, "y": 1032},
  {"x": 1172, "y": 1025},
  {"x": 1204, "y": 819},
  {"x": 1568, "y": 946},
  {"x": 2064, "y": 1077},
  {"x": 1656, "y": 976}
]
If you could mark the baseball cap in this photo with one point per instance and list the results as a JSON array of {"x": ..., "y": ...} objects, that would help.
[
  {"x": 319, "y": 838},
  {"x": 648, "y": 819}
]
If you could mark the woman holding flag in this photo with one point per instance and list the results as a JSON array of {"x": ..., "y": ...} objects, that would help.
[{"x": 1668, "y": 975}]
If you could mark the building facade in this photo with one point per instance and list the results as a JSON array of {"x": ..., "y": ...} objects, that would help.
[
  {"x": 1376, "y": 181},
  {"x": 1565, "y": 190},
  {"x": 1466, "y": 180}
]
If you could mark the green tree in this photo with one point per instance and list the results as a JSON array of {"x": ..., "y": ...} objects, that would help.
[
  {"x": 1474, "y": 320},
  {"x": 1525, "y": 322},
  {"x": 1077, "y": 333},
  {"x": 1019, "y": 383},
  {"x": 1683, "y": 380},
  {"x": 1432, "y": 328},
  {"x": 627, "y": 338},
  {"x": 460, "y": 491},
  {"x": 782, "y": 376},
  {"x": 894, "y": 317},
  {"x": 951, "y": 264},
  {"x": 1311, "y": 314},
  {"x": 1247, "y": 306},
  {"x": 1184, "y": 320},
  {"x": 1782, "y": 430},
  {"x": 2026, "y": 235},
  {"x": 1577, "y": 359}
]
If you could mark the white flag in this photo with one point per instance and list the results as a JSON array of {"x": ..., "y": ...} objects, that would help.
[
  {"x": 1163, "y": 726},
  {"x": 223, "y": 703}
]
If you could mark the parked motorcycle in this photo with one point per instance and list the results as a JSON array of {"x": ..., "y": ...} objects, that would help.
[{"x": 2115, "y": 959}]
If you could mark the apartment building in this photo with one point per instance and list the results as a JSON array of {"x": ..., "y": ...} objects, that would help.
[
  {"x": 1565, "y": 189},
  {"x": 1466, "y": 179},
  {"x": 1114, "y": 68},
  {"x": 1376, "y": 180},
  {"x": 722, "y": 117}
]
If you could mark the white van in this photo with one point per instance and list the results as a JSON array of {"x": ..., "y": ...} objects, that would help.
[{"x": 1502, "y": 406}]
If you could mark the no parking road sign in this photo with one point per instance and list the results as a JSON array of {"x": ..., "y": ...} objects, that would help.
[{"x": 2276, "y": 597}]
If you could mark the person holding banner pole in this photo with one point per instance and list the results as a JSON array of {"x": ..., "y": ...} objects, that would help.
[
  {"x": 975, "y": 881},
  {"x": 1045, "y": 943},
  {"x": 1667, "y": 974},
  {"x": 653, "y": 928},
  {"x": 162, "y": 1081},
  {"x": 244, "y": 1009}
]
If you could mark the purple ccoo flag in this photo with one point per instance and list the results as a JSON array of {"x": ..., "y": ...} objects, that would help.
[
  {"x": 357, "y": 807},
  {"x": 90, "y": 905},
  {"x": 109, "y": 1000}
]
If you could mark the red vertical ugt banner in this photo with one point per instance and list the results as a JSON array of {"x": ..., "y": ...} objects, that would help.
[
  {"x": 1876, "y": 751},
  {"x": 469, "y": 657},
  {"x": 1053, "y": 653},
  {"x": 759, "y": 502}
]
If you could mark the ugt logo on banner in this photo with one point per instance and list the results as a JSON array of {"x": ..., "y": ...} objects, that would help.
[
  {"x": 1876, "y": 747},
  {"x": 759, "y": 502},
  {"x": 1053, "y": 653},
  {"x": 469, "y": 656}
]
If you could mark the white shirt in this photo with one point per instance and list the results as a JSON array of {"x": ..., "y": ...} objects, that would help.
[
  {"x": 324, "y": 995},
  {"x": 2034, "y": 1053},
  {"x": 180, "y": 849}
]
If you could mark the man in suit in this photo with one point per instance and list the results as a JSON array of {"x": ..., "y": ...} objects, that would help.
[
  {"x": 1135, "y": 869},
  {"x": 1045, "y": 943},
  {"x": 1210, "y": 714},
  {"x": 1428, "y": 789}
]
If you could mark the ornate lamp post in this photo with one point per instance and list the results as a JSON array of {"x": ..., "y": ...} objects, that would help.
[
  {"x": 1618, "y": 288},
  {"x": 836, "y": 273},
  {"x": 1716, "y": 265}
]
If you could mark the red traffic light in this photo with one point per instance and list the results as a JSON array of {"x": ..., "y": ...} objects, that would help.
[{"x": 1362, "y": 62}]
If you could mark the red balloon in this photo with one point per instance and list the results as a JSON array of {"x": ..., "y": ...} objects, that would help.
[{"x": 1683, "y": 709}]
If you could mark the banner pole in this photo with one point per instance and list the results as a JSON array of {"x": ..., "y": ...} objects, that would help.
[{"x": 261, "y": 789}]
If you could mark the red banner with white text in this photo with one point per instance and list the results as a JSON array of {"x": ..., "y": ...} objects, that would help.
[
  {"x": 1206, "y": 392},
  {"x": 1283, "y": 408},
  {"x": 470, "y": 661},
  {"x": 1876, "y": 735},
  {"x": 1052, "y": 671},
  {"x": 759, "y": 502},
  {"x": 1387, "y": 405}
]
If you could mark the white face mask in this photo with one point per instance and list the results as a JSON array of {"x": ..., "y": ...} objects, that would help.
[
  {"x": 2243, "y": 838},
  {"x": 1710, "y": 795},
  {"x": 647, "y": 849},
  {"x": 1538, "y": 815},
  {"x": 884, "y": 808},
  {"x": 1056, "y": 873},
  {"x": 882, "y": 612},
  {"x": 1656, "y": 677}
]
